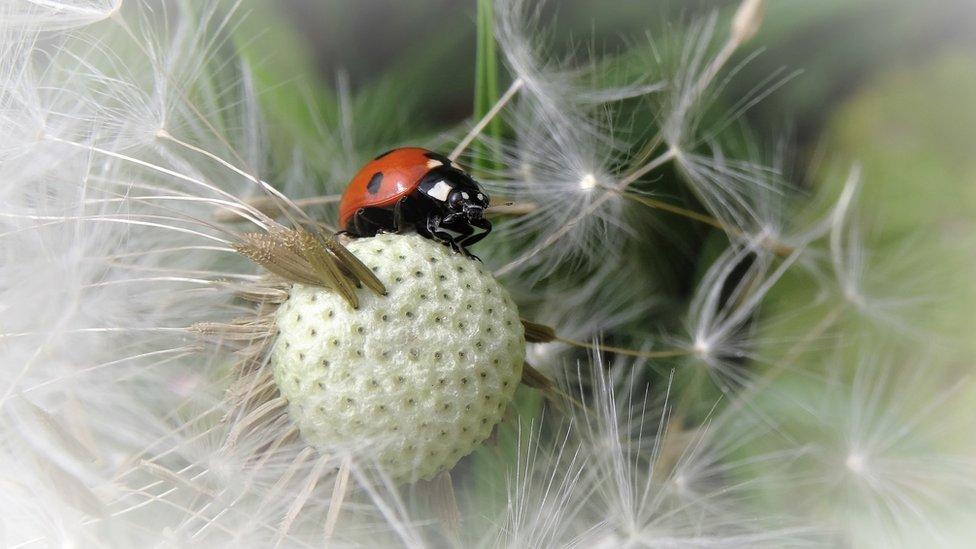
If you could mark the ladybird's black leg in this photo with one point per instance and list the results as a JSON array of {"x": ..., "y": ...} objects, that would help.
[
  {"x": 423, "y": 231},
  {"x": 472, "y": 239},
  {"x": 358, "y": 225},
  {"x": 370, "y": 221},
  {"x": 466, "y": 228},
  {"x": 400, "y": 214},
  {"x": 460, "y": 225},
  {"x": 468, "y": 240},
  {"x": 432, "y": 230}
]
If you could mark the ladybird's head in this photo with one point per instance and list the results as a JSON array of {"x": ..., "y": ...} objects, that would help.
[
  {"x": 471, "y": 202},
  {"x": 454, "y": 192}
]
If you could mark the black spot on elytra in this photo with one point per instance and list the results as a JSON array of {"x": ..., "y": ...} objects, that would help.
[{"x": 373, "y": 186}]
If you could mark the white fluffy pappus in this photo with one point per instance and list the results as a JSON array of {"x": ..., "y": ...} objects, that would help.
[
  {"x": 625, "y": 472},
  {"x": 885, "y": 461},
  {"x": 566, "y": 153},
  {"x": 574, "y": 160}
]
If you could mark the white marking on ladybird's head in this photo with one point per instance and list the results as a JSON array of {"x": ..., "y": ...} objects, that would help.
[
  {"x": 465, "y": 195},
  {"x": 431, "y": 164},
  {"x": 439, "y": 191},
  {"x": 588, "y": 182},
  {"x": 481, "y": 196}
]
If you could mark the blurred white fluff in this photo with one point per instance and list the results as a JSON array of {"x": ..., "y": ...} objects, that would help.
[
  {"x": 111, "y": 413},
  {"x": 887, "y": 290},
  {"x": 47, "y": 15},
  {"x": 887, "y": 460}
]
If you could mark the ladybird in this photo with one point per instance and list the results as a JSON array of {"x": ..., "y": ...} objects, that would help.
[{"x": 414, "y": 188}]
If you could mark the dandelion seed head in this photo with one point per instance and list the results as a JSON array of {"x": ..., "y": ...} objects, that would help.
[
  {"x": 675, "y": 496},
  {"x": 419, "y": 377},
  {"x": 883, "y": 290}
]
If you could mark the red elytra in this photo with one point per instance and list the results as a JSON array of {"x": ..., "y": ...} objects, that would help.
[{"x": 384, "y": 180}]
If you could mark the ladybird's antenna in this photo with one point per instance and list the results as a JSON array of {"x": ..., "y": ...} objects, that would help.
[{"x": 492, "y": 113}]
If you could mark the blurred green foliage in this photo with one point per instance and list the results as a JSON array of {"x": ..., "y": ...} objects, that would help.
[{"x": 911, "y": 130}]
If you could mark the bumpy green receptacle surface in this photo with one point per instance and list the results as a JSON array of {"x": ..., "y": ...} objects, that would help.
[{"x": 414, "y": 380}]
